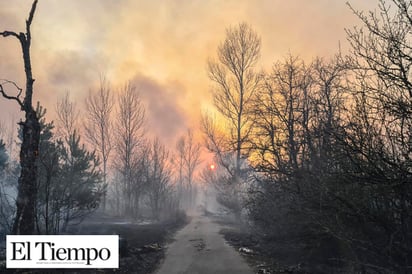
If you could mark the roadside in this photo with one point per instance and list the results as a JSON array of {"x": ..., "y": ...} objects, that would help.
[
  {"x": 268, "y": 255},
  {"x": 265, "y": 256},
  {"x": 258, "y": 252}
]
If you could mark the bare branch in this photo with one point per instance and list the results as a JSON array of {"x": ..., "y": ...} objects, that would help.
[
  {"x": 29, "y": 20},
  {"x": 16, "y": 98},
  {"x": 31, "y": 15},
  {"x": 9, "y": 33},
  {"x": 14, "y": 84}
]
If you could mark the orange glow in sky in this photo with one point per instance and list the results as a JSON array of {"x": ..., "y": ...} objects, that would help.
[{"x": 161, "y": 47}]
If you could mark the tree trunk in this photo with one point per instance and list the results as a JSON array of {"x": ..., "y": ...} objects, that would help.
[
  {"x": 27, "y": 188},
  {"x": 24, "y": 222}
]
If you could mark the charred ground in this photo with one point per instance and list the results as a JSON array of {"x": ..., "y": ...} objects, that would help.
[{"x": 142, "y": 245}]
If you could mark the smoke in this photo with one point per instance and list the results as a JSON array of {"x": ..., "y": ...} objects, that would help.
[
  {"x": 164, "y": 116},
  {"x": 76, "y": 41}
]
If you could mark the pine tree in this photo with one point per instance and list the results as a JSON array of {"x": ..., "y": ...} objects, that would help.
[{"x": 69, "y": 182}]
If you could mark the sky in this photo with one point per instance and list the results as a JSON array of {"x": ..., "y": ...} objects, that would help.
[{"x": 160, "y": 46}]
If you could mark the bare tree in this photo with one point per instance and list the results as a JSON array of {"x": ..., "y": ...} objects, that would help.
[
  {"x": 192, "y": 156},
  {"x": 236, "y": 83},
  {"x": 281, "y": 115},
  {"x": 180, "y": 162},
  {"x": 188, "y": 160},
  {"x": 129, "y": 140},
  {"x": 27, "y": 192},
  {"x": 295, "y": 152},
  {"x": 159, "y": 177},
  {"x": 328, "y": 106},
  {"x": 377, "y": 140},
  {"x": 67, "y": 117},
  {"x": 333, "y": 147},
  {"x": 98, "y": 127}
]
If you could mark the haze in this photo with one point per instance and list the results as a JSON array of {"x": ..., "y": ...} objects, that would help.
[{"x": 161, "y": 46}]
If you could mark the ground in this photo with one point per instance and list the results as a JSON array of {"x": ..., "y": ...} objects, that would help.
[
  {"x": 141, "y": 249},
  {"x": 203, "y": 244},
  {"x": 258, "y": 254},
  {"x": 199, "y": 248},
  {"x": 268, "y": 255}
]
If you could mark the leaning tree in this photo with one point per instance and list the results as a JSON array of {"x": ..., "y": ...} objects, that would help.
[{"x": 27, "y": 189}]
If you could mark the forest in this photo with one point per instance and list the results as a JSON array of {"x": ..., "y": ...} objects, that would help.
[{"x": 313, "y": 157}]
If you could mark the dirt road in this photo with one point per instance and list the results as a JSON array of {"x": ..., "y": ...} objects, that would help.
[{"x": 200, "y": 249}]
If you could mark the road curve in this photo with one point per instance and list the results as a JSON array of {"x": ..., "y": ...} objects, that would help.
[{"x": 200, "y": 249}]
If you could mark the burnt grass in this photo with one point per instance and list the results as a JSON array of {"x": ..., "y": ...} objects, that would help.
[
  {"x": 141, "y": 247},
  {"x": 275, "y": 255},
  {"x": 259, "y": 253}
]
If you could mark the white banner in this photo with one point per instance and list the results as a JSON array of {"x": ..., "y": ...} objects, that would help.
[{"x": 62, "y": 251}]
